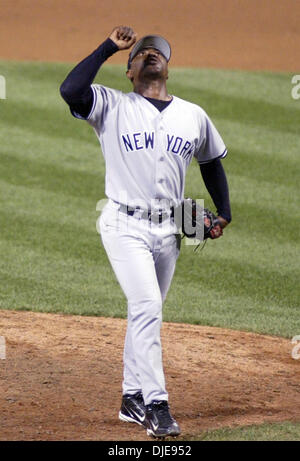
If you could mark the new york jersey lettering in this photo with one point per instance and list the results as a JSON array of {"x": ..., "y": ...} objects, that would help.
[
  {"x": 175, "y": 144},
  {"x": 138, "y": 141}
]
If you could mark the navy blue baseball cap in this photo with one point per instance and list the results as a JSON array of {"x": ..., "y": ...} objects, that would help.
[{"x": 151, "y": 41}]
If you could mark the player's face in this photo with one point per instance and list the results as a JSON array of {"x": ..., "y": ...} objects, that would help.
[{"x": 149, "y": 63}]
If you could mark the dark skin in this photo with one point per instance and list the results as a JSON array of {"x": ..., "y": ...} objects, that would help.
[
  {"x": 149, "y": 68},
  {"x": 148, "y": 71}
]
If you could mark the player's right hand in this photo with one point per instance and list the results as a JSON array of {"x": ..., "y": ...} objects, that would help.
[{"x": 124, "y": 37}]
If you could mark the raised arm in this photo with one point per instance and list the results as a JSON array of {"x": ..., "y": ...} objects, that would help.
[{"x": 76, "y": 88}]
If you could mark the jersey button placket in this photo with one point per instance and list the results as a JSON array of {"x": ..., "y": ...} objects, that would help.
[{"x": 160, "y": 157}]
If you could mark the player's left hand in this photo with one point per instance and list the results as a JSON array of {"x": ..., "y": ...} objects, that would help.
[
  {"x": 124, "y": 37},
  {"x": 197, "y": 220}
]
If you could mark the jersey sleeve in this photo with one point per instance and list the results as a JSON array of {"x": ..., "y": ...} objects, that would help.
[
  {"x": 211, "y": 145},
  {"x": 104, "y": 100}
]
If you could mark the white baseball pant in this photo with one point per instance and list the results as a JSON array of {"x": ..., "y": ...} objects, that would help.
[{"x": 143, "y": 256}]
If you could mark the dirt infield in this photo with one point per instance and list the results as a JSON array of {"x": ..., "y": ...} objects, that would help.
[
  {"x": 61, "y": 379},
  {"x": 241, "y": 34}
]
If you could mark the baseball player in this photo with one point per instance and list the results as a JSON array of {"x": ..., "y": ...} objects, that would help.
[{"x": 148, "y": 138}]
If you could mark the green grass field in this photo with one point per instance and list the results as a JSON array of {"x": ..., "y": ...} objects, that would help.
[
  {"x": 286, "y": 432},
  {"x": 52, "y": 176}
]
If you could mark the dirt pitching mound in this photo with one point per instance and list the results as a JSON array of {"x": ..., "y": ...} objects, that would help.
[{"x": 61, "y": 379}]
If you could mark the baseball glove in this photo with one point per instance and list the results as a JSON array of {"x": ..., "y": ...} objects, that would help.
[{"x": 199, "y": 222}]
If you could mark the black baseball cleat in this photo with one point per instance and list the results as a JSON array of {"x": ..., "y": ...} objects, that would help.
[
  {"x": 159, "y": 422},
  {"x": 133, "y": 409}
]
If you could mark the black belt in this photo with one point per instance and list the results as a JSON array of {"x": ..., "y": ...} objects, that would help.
[{"x": 158, "y": 216}]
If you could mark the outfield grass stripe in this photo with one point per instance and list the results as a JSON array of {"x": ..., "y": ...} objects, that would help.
[
  {"x": 246, "y": 111},
  {"x": 262, "y": 194},
  {"x": 244, "y": 277},
  {"x": 46, "y": 150},
  {"x": 44, "y": 205},
  {"x": 252, "y": 165},
  {"x": 45, "y": 121},
  {"x": 274, "y": 222},
  {"x": 243, "y": 196},
  {"x": 199, "y": 304},
  {"x": 269, "y": 143},
  {"x": 53, "y": 177},
  {"x": 257, "y": 86},
  {"x": 81, "y": 301},
  {"x": 244, "y": 162},
  {"x": 55, "y": 269},
  {"x": 219, "y": 104},
  {"x": 64, "y": 238},
  {"x": 80, "y": 215},
  {"x": 260, "y": 187},
  {"x": 266, "y": 227},
  {"x": 100, "y": 297},
  {"x": 35, "y": 202},
  {"x": 87, "y": 248},
  {"x": 80, "y": 242},
  {"x": 264, "y": 253}
]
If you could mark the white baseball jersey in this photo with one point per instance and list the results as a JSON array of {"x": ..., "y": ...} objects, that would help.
[{"x": 146, "y": 151}]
